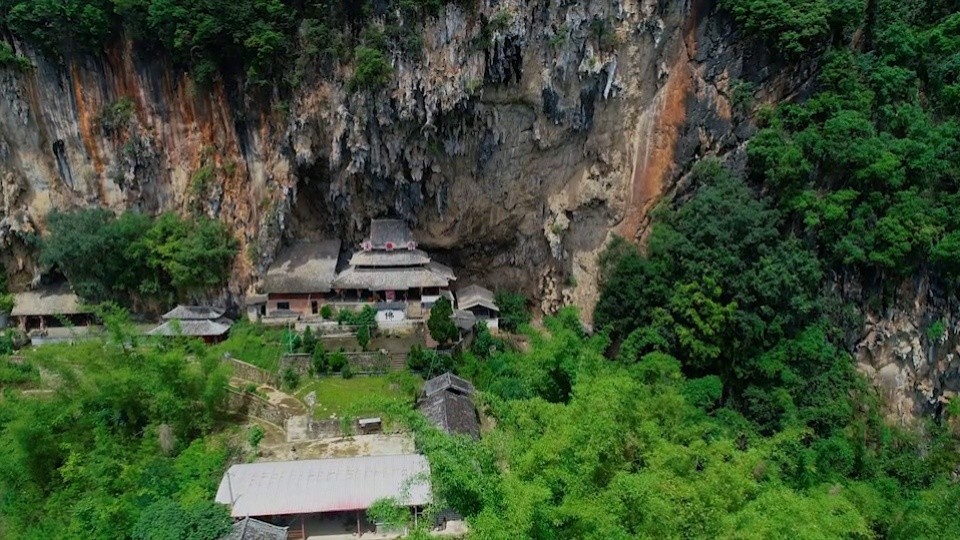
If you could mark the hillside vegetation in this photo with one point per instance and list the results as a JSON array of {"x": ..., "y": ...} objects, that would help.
[{"x": 716, "y": 398}]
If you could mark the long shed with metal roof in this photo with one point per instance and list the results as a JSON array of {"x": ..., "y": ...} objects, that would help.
[{"x": 324, "y": 485}]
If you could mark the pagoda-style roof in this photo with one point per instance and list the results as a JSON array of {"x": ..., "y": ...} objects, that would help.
[
  {"x": 193, "y": 313},
  {"x": 394, "y": 279},
  {"x": 254, "y": 529},
  {"x": 389, "y": 234},
  {"x": 400, "y": 257},
  {"x": 303, "y": 267}
]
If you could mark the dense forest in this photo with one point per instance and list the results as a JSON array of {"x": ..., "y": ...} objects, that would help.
[{"x": 715, "y": 396}]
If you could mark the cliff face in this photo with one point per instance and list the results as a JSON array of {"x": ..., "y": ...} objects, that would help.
[
  {"x": 516, "y": 149},
  {"x": 911, "y": 351}
]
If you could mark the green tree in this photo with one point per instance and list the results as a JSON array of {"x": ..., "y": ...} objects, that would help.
[
  {"x": 363, "y": 336},
  {"x": 513, "y": 310},
  {"x": 168, "y": 520},
  {"x": 440, "y": 324},
  {"x": 372, "y": 69},
  {"x": 196, "y": 256}
]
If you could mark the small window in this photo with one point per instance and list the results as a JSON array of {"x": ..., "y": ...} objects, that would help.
[{"x": 283, "y": 305}]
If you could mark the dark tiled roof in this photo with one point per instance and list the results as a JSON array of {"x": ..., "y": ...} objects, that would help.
[
  {"x": 394, "y": 279},
  {"x": 303, "y": 268},
  {"x": 53, "y": 300},
  {"x": 453, "y": 413},
  {"x": 193, "y": 313},
  {"x": 399, "y": 257},
  {"x": 464, "y": 320},
  {"x": 202, "y": 328},
  {"x": 448, "y": 381},
  {"x": 475, "y": 295},
  {"x": 394, "y": 231},
  {"x": 254, "y": 529}
]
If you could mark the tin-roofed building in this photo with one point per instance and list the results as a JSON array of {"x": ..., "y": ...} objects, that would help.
[
  {"x": 313, "y": 494},
  {"x": 480, "y": 302},
  {"x": 300, "y": 279}
]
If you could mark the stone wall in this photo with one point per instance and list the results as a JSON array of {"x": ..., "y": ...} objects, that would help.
[
  {"x": 247, "y": 404},
  {"x": 249, "y": 372}
]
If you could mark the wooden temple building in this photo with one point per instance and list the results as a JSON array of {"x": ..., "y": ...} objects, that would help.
[{"x": 390, "y": 267}]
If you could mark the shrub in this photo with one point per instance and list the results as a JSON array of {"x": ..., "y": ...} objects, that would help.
[
  {"x": 6, "y": 302},
  {"x": 115, "y": 116},
  {"x": 513, "y": 310},
  {"x": 441, "y": 326},
  {"x": 337, "y": 360},
  {"x": 346, "y": 426},
  {"x": 346, "y": 372},
  {"x": 290, "y": 379},
  {"x": 255, "y": 435},
  {"x": 326, "y": 311},
  {"x": 250, "y": 388},
  {"x": 318, "y": 361},
  {"x": 373, "y": 69},
  {"x": 308, "y": 342},
  {"x": 10, "y": 59},
  {"x": 363, "y": 337},
  {"x": 388, "y": 512},
  {"x": 428, "y": 362}
]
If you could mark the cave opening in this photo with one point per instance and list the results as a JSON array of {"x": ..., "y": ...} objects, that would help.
[{"x": 311, "y": 215}]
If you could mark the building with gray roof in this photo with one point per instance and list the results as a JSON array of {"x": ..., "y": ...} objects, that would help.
[
  {"x": 451, "y": 412},
  {"x": 193, "y": 313},
  {"x": 390, "y": 267},
  {"x": 389, "y": 234},
  {"x": 448, "y": 382},
  {"x": 204, "y": 322},
  {"x": 288, "y": 488},
  {"x": 46, "y": 306},
  {"x": 479, "y": 301},
  {"x": 301, "y": 277},
  {"x": 254, "y": 529}
]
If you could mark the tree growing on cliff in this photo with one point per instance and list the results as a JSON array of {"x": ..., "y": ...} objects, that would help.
[{"x": 131, "y": 258}]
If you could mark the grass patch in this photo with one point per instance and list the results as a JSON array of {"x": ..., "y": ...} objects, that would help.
[
  {"x": 359, "y": 396},
  {"x": 254, "y": 344}
]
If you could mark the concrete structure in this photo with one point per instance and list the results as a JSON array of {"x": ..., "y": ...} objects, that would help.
[
  {"x": 298, "y": 492},
  {"x": 479, "y": 301},
  {"x": 299, "y": 281},
  {"x": 388, "y": 312}
]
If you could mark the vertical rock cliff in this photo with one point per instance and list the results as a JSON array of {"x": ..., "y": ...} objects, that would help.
[{"x": 517, "y": 143}]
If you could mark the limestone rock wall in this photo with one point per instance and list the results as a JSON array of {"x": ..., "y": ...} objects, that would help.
[
  {"x": 515, "y": 158},
  {"x": 911, "y": 351}
]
